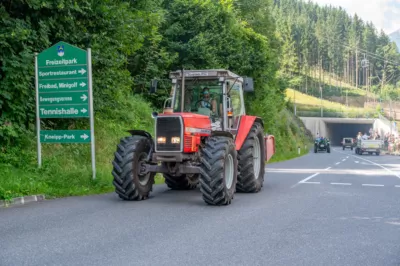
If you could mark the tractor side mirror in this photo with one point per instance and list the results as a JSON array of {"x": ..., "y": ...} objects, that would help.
[
  {"x": 248, "y": 85},
  {"x": 153, "y": 86}
]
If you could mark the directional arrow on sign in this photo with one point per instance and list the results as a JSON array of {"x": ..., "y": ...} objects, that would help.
[
  {"x": 83, "y": 97},
  {"x": 84, "y": 136},
  {"x": 82, "y": 84},
  {"x": 82, "y": 71},
  {"x": 83, "y": 110}
]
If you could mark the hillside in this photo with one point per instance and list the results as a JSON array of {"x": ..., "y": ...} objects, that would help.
[
  {"x": 132, "y": 43},
  {"x": 395, "y": 37},
  {"x": 317, "y": 40}
]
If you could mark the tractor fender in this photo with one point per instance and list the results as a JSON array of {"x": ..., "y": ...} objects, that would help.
[
  {"x": 269, "y": 144},
  {"x": 135, "y": 132},
  {"x": 222, "y": 133},
  {"x": 245, "y": 124}
]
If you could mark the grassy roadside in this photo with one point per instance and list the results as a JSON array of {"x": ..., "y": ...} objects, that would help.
[
  {"x": 66, "y": 169},
  {"x": 311, "y": 105}
]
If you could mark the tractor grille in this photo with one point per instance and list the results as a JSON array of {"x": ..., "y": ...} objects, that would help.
[{"x": 169, "y": 127}]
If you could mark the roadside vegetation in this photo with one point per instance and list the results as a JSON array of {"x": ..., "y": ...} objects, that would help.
[{"x": 133, "y": 42}]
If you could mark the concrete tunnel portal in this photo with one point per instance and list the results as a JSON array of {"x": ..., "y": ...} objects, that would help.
[
  {"x": 337, "y": 128},
  {"x": 337, "y": 131}
]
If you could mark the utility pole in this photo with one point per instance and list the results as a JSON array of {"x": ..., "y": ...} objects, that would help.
[
  {"x": 294, "y": 102},
  {"x": 357, "y": 66},
  {"x": 322, "y": 111}
]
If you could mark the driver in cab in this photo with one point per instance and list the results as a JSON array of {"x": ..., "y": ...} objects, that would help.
[{"x": 207, "y": 102}]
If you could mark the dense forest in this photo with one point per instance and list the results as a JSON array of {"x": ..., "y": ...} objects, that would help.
[
  {"x": 280, "y": 44},
  {"x": 132, "y": 42},
  {"x": 317, "y": 39}
]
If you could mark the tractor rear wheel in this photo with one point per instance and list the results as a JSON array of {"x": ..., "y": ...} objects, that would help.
[
  {"x": 218, "y": 170},
  {"x": 129, "y": 183},
  {"x": 181, "y": 182},
  {"x": 252, "y": 161}
]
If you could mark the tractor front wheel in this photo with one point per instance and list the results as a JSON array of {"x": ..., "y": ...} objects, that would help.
[
  {"x": 328, "y": 149},
  {"x": 252, "y": 161},
  {"x": 129, "y": 183},
  {"x": 181, "y": 182},
  {"x": 218, "y": 170}
]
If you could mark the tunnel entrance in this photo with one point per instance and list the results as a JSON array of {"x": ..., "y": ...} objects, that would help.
[{"x": 337, "y": 131}]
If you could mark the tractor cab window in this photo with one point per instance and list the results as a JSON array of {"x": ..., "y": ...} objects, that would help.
[
  {"x": 201, "y": 97},
  {"x": 234, "y": 90}
]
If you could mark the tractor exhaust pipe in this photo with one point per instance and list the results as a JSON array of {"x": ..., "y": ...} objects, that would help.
[{"x": 183, "y": 91}]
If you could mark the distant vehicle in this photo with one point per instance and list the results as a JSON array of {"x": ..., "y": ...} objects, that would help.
[
  {"x": 322, "y": 144},
  {"x": 347, "y": 143},
  {"x": 369, "y": 145}
]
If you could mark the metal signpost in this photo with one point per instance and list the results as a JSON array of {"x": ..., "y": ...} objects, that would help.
[{"x": 64, "y": 90}]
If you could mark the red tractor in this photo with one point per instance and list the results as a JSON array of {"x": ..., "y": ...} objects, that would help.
[{"x": 202, "y": 137}]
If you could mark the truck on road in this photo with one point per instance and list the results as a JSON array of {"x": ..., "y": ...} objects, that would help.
[
  {"x": 347, "y": 143},
  {"x": 203, "y": 137},
  {"x": 368, "y": 145}
]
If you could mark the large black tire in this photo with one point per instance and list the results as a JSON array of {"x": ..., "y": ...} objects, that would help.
[
  {"x": 218, "y": 155},
  {"x": 250, "y": 171},
  {"x": 315, "y": 149},
  {"x": 129, "y": 185},
  {"x": 328, "y": 149},
  {"x": 182, "y": 182}
]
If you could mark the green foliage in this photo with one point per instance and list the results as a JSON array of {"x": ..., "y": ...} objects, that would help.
[
  {"x": 132, "y": 42},
  {"x": 330, "y": 40}
]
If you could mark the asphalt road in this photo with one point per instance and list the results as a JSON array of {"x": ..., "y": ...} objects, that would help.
[{"x": 319, "y": 209}]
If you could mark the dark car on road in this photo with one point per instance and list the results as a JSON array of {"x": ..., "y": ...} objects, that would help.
[{"x": 322, "y": 144}]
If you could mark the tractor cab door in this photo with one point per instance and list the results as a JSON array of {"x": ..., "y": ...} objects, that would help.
[{"x": 235, "y": 105}]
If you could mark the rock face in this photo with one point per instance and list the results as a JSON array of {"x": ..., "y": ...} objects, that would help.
[{"x": 395, "y": 36}]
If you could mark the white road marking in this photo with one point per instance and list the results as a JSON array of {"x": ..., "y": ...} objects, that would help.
[
  {"x": 347, "y": 157},
  {"x": 337, "y": 163},
  {"x": 397, "y": 186},
  {"x": 343, "y": 160},
  {"x": 328, "y": 168},
  {"x": 344, "y": 184},
  {"x": 373, "y": 185},
  {"x": 356, "y": 161},
  {"x": 306, "y": 179},
  {"x": 390, "y": 171}
]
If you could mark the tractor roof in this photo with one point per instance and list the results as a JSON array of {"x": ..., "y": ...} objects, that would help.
[{"x": 206, "y": 74}]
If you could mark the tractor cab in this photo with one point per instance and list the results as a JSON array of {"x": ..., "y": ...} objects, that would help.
[{"x": 217, "y": 94}]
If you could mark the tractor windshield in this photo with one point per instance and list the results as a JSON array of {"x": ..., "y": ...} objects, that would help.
[{"x": 201, "y": 97}]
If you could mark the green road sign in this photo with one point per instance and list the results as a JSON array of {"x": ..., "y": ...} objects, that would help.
[
  {"x": 65, "y": 136},
  {"x": 78, "y": 84},
  {"x": 64, "y": 111},
  {"x": 58, "y": 98},
  {"x": 62, "y": 73},
  {"x": 62, "y": 54}
]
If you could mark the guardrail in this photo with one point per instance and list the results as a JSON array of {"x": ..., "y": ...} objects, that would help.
[{"x": 336, "y": 114}]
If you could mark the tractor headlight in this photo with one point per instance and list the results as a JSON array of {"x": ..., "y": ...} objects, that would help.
[
  {"x": 161, "y": 140},
  {"x": 175, "y": 140}
]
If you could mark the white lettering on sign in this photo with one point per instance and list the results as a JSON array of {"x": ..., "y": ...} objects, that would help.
[
  {"x": 55, "y": 99},
  {"x": 48, "y": 86},
  {"x": 59, "y": 137},
  {"x": 61, "y": 62},
  {"x": 68, "y": 85},
  {"x": 57, "y": 73},
  {"x": 62, "y": 111}
]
